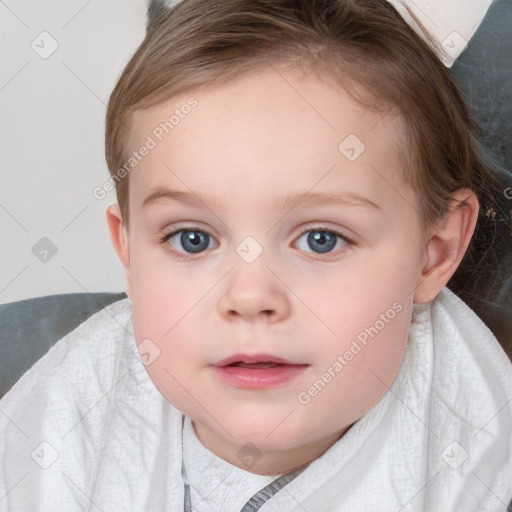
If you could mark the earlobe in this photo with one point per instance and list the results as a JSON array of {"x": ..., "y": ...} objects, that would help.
[
  {"x": 120, "y": 241},
  {"x": 446, "y": 245}
]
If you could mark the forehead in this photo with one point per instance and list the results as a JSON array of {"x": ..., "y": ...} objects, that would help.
[{"x": 270, "y": 130}]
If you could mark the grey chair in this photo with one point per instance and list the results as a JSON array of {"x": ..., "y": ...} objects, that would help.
[{"x": 29, "y": 328}]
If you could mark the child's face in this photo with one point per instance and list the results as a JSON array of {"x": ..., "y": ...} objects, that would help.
[{"x": 256, "y": 285}]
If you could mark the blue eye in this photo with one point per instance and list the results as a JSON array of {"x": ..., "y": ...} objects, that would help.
[
  {"x": 192, "y": 240},
  {"x": 323, "y": 241}
]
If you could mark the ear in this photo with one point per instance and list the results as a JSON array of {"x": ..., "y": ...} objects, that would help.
[
  {"x": 446, "y": 244},
  {"x": 120, "y": 241}
]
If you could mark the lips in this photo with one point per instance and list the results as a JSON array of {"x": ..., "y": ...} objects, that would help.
[
  {"x": 256, "y": 361},
  {"x": 257, "y": 372}
]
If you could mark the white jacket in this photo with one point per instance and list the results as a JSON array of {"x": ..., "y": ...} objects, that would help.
[{"x": 85, "y": 429}]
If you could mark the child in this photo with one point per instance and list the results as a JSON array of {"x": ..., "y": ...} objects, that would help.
[{"x": 297, "y": 183}]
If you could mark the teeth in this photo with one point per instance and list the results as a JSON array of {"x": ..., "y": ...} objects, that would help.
[{"x": 256, "y": 365}]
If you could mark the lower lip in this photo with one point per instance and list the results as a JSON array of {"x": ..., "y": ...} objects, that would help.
[{"x": 261, "y": 378}]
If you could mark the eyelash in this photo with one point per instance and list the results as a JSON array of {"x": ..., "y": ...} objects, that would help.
[{"x": 165, "y": 238}]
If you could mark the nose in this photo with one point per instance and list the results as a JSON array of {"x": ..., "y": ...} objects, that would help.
[{"x": 253, "y": 292}]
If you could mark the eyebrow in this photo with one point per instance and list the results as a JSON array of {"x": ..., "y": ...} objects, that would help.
[{"x": 284, "y": 202}]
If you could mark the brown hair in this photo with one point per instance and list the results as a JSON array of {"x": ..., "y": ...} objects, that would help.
[{"x": 365, "y": 45}]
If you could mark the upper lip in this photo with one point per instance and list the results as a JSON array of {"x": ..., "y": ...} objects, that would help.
[{"x": 253, "y": 358}]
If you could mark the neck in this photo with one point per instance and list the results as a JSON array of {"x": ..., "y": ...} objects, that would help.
[{"x": 268, "y": 462}]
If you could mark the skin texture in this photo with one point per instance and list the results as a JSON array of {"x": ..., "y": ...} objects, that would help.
[{"x": 245, "y": 145}]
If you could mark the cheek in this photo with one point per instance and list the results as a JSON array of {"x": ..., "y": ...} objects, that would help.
[
  {"x": 356, "y": 299},
  {"x": 368, "y": 311},
  {"x": 163, "y": 305},
  {"x": 162, "y": 327},
  {"x": 162, "y": 293},
  {"x": 365, "y": 357},
  {"x": 165, "y": 313}
]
